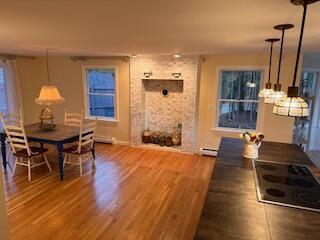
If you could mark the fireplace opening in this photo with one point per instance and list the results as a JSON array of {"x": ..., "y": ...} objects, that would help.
[{"x": 162, "y": 112}]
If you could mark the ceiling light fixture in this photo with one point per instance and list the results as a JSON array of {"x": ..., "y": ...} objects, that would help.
[
  {"x": 134, "y": 55},
  {"x": 293, "y": 105},
  {"x": 267, "y": 91},
  {"x": 252, "y": 84},
  {"x": 177, "y": 55},
  {"x": 49, "y": 94},
  {"x": 278, "y": 94}
]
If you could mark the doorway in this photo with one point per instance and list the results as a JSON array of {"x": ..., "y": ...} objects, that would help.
[{"x": 306, "y": 132}]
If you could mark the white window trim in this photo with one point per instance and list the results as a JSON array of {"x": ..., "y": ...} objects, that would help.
[
  {"x": 259, "y": 124},
  {"x": 85, "y": 93}
]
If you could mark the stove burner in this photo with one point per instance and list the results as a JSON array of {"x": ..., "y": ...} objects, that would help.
[
  {"x": 274, "y": 178},
  {"x": 307, "y": 197},
  {"x": 268, "y": 167},
  {"x": 288, "y": 180},
  {"x": 298, "y": 170},
  {"x": 300, "y": 182},
  {"x": 287, "y": 185},
  {"x": 275, "y": 192}
]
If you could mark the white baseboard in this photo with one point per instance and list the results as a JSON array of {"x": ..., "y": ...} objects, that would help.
[
  {"x": 314, "y": 148},
  {"x": 105, "y": 139},
  {"x": 122, "y": 142},
  {"x": 110, "y": 140}
]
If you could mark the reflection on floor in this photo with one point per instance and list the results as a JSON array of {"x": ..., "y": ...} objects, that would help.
[
  {"x": 135, "y": 194},
  {"x": 314, "y": 157}
]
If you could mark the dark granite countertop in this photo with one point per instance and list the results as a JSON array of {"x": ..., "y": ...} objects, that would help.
[{"x": 231, "y": 209}]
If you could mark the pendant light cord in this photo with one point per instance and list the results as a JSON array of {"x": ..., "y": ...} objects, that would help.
[
  {"x": 270, "y": 61},
  {"x": 48, "y": 74},
  {"x": 300, "y": 43},
  {"x": 280, "y": 57}
]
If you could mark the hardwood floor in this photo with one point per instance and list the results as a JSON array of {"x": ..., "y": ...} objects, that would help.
[
  {"x": 135, "y": 194},
  {"x": 314, "y": 157}
]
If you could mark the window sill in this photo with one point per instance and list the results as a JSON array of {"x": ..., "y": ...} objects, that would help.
[
  {"x": 231, "y": 130},
  {"x": 103, "y": 119}
]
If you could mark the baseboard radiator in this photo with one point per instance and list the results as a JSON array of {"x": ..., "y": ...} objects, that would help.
[
  {"x": 103, "y": 139},
  {"x": 208, "y": 151}
]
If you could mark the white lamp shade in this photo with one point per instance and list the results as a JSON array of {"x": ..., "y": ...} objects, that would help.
[
  {"x": 49, "y": 95},
  {"x": 265, "y": 93},
  {"x": 274, "y": 97},
  {"x": 292, "y": 107}
]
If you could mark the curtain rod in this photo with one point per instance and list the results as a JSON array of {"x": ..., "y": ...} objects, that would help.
[
  {"x": 13, "y": 56},
  {"x": 84, "y": 58}
]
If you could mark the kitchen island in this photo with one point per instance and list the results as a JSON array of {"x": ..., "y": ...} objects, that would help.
[{"x": 231, "y": 209}]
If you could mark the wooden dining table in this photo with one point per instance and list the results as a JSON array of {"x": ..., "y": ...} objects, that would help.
[{"x": 60, "y": 135}]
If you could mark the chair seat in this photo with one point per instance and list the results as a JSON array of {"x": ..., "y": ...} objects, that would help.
[
  {"x": 74, "y": 150},
  {"x": 34, "y": 152}
]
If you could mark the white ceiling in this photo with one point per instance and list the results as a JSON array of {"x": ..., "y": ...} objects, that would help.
[{"x": 117, "y": 27}]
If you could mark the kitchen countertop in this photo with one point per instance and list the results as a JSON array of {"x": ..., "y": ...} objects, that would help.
[{"x": 231, "y": 209}]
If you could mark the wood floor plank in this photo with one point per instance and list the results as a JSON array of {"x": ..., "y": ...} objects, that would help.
[{"x": 134, "y": 194}]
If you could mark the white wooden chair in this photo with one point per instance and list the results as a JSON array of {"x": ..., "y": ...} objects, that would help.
[
  {"x": 84, "y": 148},
  {"x": 73, "y": 119},
  {"x": 24, "y": 155},
  {"x": 12, "y": 119}
]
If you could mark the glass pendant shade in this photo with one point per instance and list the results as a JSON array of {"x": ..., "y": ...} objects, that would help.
[
  {"x": 275, "y": 97},
  {"x": 292, "y": 107},
  {"x": 49, "y": 95},
  {"x": 268, "y": 91},
  {"x": 265, "y": 92}
]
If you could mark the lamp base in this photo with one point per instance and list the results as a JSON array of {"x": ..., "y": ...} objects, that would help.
[
  {"x": 46, "y": 119},
  {"x": 47, "y": 126}
]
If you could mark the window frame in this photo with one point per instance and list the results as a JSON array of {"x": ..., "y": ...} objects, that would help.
[
  {"x": 5, "y": 90},
  {"x": 259, "y": 123},
  {"x": 86, "y": 94}
]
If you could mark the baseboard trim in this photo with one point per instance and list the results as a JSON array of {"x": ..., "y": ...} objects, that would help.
[
  {"x": 104, "y": 139},
  {"x": 313, "y": 148},
  {"x": 119, "y": 142}
]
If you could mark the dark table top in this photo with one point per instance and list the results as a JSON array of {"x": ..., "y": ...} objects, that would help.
[
  {"x": 231, "y": 209},
  {"x": 59, "y": 134}
]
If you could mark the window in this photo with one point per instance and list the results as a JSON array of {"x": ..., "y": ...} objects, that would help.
[
  {"x": 100, "y": 95},
  {"x": 3, "y": 97},
  {"x": 238, "y": 101}
]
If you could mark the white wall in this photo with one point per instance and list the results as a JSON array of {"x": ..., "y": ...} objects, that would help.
[
  {"x": 67, "y": 76},
  {"x": 276, "y": 128}
]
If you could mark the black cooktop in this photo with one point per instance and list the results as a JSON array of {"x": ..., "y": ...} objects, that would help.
[{"x": 286, "y": 184}]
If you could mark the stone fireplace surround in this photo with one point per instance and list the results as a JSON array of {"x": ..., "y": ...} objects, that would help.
[{"x": 146, "y": 96}]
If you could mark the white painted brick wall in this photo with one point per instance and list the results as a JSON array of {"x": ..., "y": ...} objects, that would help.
[{"x": 162, "y": 68}]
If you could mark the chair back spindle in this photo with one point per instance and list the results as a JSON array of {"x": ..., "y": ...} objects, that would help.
[
  {"x": 87, "y": 134},
  {"x": 73, "y": 119},
  {"x": 13, "y": 127}
]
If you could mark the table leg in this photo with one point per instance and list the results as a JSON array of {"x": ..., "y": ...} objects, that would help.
[
  {"x": 94, "y": 151},
  {"x": 3, "y": 151},
  {"x": 60, "y": 159}
]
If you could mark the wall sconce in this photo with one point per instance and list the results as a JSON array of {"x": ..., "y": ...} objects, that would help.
[
  {"x": 176, "y": 74},
  {"x": 147, "y": 74}
]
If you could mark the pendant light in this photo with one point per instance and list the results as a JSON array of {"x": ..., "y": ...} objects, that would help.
[
  {"x": 252, "y": 84},
  {"x": 49, "y": 94},
  {"x": 293, "y": 105},
  {"x": 267, "y": 91},
  {"x": 278, "y": 94}
]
